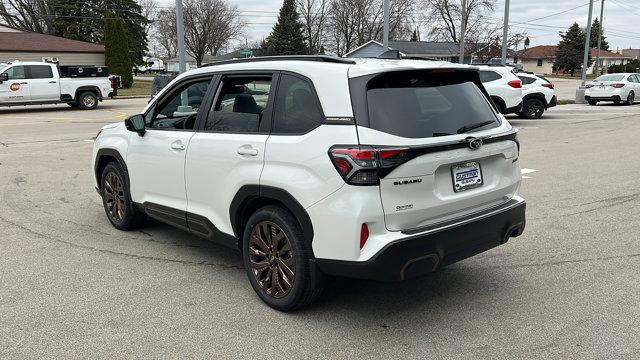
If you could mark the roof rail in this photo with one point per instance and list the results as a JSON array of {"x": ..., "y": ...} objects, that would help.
[{"x": 320, "y": 58}]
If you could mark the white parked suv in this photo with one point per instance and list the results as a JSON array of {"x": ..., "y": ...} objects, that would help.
[
  {"x": 504, "y": 87},
  {"x": 613, "y": 87},
  {"x": 538, "y": 95},
  {"x": 316, "y": 166}
]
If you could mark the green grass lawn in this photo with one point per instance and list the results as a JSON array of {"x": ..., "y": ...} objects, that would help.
[{"x": 138, "y": 88}]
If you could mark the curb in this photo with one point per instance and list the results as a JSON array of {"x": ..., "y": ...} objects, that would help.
[{"x": 132, "y": 97}]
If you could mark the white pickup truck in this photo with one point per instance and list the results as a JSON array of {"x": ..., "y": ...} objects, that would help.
[{"x": 33, "y": 83}]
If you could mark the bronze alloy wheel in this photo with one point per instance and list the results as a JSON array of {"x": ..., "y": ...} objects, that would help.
[
  {"x": 114, "y": 196},
  {"x": 271, "y": 258}
]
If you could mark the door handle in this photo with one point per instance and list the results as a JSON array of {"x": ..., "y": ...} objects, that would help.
[
  {"x": 24, "y": 83},
  {"x": 52, "y": 82},
  {"x": 249, "y": 151},
  {"x": 177, "y": 145}
]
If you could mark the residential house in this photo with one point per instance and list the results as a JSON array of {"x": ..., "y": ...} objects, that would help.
[{"x": 540, "y": 59}]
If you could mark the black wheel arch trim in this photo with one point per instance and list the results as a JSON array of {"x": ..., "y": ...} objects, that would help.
[
  {"x": 539, "y": 96},
  {"x": 249, "y": 193},
  {"x": 109, "y": 153},
  {"x": 93, "y": 89}
]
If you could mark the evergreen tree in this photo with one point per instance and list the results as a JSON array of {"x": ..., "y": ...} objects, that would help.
[
  {"x": 84, "y": 20},
  {"x": 414, "y": 36},
  {"x": 116, "y": 54},
  {"x": 593, "y": 42},
  {"x": 570, "y": 50},
  {"x": 286, "y": 37}
]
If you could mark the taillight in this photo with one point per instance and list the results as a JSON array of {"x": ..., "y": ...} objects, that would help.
[
  {"x": 617, "y": 86},
  {"x": 364, "y": 235},
  {"x": 516, "y": 84},
  {"x": 550, "y": 86},
  {"x": 361, "y": 165}
]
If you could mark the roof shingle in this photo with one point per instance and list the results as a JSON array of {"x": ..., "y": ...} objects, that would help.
[{"x": 34, "y": 42}]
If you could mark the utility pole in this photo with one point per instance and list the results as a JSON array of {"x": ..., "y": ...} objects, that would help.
[
  {"x": 463, "y": 30},
  {"x": 587, "y": 48},
  {"x": 180, "y": 28},
  {"x": 597, "y": 67},
  {"x": 505, "y": 32},
  {"x": 385, "y": 30}
]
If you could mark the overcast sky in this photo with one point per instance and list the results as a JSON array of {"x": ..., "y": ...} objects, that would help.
[{"x": 622, "y": 15}]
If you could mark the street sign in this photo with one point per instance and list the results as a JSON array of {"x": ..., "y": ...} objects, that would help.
[{"x": 246, "y": 52}]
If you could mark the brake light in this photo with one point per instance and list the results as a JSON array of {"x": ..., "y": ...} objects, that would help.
[
  {"x": 361, "y": 165},
  {"x": 364, "y": 235},
  {"x": 617, "y": 86},
  {"x": 516, "y": 84},
  {"x": 550, "y": 85}
]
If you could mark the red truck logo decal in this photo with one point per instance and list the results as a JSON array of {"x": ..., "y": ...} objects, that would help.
[{"x": 14, "y": 87}]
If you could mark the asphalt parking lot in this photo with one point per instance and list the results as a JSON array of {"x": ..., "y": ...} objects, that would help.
[{"x": 71, "y": 286}]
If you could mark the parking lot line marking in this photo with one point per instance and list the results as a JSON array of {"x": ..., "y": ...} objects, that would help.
[{"x": 527, "y": 171}]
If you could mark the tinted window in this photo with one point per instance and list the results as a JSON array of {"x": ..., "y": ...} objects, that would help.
[
  {"x": 526, "y": 80},
  {"x": 539, "y": 62},
  {"x": 487, "y": 76},
  {"x": 180, "y": 109},
  {"x": 40, "y": 72},
  {"x": 240, "y": 104},
  {"x": 16, "y": 72},
  {"x": 420, "y": 105},
  {"x": 297, "y": 107}
]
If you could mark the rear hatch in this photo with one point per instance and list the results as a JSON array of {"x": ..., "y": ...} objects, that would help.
[
  {"x": 606, "y": 85},
  {"x": 443, "y": 152}
]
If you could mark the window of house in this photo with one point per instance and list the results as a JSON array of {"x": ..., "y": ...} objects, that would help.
[{"x": 539, "y": 62}]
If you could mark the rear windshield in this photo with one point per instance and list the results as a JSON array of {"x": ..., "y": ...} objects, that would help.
[
  {"x": 419, "y": 104},
  {"x": 610, "y": 78}
]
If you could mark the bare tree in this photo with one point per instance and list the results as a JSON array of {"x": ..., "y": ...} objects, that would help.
[
  {"x": 446, "y": 17},
  {"x": 29, "y": 15},
  {"x": 209, "y": 26},
  {"x": 165, "y": 32},
  {"x": 149, "y": 11},
  {"x": 354, "y": 22},
  {"x": 314, "y": 15}
]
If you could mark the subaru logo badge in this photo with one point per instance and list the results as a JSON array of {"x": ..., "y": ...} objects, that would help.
[{"x": 474, "y": 143}]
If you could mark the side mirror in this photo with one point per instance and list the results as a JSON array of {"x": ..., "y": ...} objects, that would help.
[
  {"x": 136, "y": 123},
  {"x": 4, "y": 77}
]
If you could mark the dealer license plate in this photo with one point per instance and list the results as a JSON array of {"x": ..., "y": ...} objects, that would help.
[{"x": 466, "y": 176}]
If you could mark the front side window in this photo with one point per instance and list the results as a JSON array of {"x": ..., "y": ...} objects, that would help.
[
  {"x": 40, "y": 72},
  {"x": 421, "y": 105},
  {"x": 240, "y": 104},
  {"x": 17, "y": 72},
  {"x": 180, "y": 109},
  {"x": 297, "y": 109}
]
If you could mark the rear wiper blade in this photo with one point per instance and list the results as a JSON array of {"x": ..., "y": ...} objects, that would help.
[{"x": 466, "y": 128}]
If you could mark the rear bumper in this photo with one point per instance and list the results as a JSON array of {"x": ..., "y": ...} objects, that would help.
[
  {"x": 513, "y": 110},
  {"x": 424, "y": 253},
  {"x": 553, "y": 102},
  {"x": 603, "y": 98}
]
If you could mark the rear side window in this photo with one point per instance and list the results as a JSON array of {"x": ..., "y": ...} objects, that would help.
[
  {"x": 297, "y": 107},
  {"x": 526, "y": 80},
  {"x": 487, "y": 76},
  {"x": 40, "y": 72},
  {"x": 416, "y": 104}
]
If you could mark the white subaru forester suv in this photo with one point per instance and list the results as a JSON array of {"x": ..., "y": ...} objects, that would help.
[{"x": 316, "y": 166}]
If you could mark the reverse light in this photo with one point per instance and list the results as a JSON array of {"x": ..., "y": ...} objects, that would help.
[
  {"x": 617, "y": 86},
  {"x": 361, "y": 165},
  {"x": 364, "y": 235},
  {"x": 516, "y": 84}
]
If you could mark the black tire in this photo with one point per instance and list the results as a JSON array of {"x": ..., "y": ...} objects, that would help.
[
  {"x": 87, "y": 100},
  {"x": 125, "y": 216},
  {"x": 593, "y": 102},
  {"x": 308, "y": 281},
  {"x": 617, "y": 101},
  {"x": 631, "y": 98},
  {"x": 532, "y": 109}
]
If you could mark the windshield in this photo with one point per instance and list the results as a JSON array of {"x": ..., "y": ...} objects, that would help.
[
  {"x": 612, "y": 77},
  {"x": 417, "y": 104}
]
